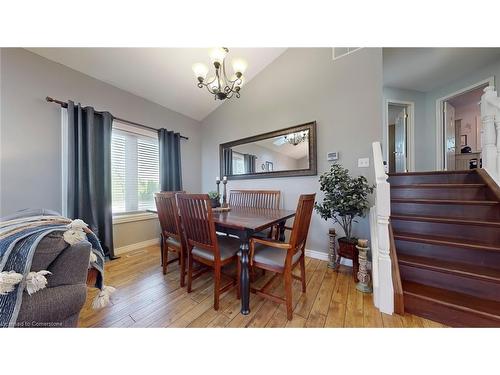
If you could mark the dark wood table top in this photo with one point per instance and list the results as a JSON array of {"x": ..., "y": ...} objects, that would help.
[{"x": 250, "y": 218}]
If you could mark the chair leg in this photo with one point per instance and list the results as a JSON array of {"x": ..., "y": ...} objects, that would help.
[
  {"x": 303, "y": 273},
  {"x": 217, "y": 277},
  {"x": 288, "y": 293},
  {"x": 238, "y": 274},
  {"x": 165, "y": 257},
  {"x": 190, "y": 273},
  {"x": 182, "y": 261}
]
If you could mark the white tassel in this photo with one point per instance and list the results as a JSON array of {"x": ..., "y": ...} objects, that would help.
[
  {"x": 8, "y": 281},
  {"x": 93, "y": 257},
  {"x": 36, "y": 281},
  {"x": 77, "y": 224},
  {"x": 102, "y": 299},
  {"x": 73, "y": 236}
]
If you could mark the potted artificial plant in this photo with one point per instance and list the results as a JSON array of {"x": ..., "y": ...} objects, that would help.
[
  {"x": 214, "y": 198},
  {"x": 345, "y": 199}
]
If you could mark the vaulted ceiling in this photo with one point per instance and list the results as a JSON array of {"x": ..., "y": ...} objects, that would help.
[
  {"x": 162, "y": 75},
  {"x": 426, "y": 69}
]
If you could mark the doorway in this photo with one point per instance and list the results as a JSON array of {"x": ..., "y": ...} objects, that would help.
[
  {"x": 398, "y": 130},
  {"x": 459, "y": 128}
]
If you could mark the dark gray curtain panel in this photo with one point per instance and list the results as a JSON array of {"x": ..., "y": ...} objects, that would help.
[
  {"x": 170, "y": 160},
  {"x": 89, "y": 171},
  {"x": 249, "y": 161},
  {"x": 227, "y": 162}
]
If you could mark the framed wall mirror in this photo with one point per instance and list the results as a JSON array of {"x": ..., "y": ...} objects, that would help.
[{"x": 287, "y": 152}]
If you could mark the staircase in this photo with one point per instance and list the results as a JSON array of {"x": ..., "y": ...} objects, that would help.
[{"x": 446, "y": 229}]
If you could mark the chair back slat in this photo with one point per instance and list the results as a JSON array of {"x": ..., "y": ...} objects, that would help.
[
  {"x": 196, "y": 215},
  {"x": 168, "y": 214},
  {"x": 302, "y": 221},
  {"x": 255, "y": 198}
]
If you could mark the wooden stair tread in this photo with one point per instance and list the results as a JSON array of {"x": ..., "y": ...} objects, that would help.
[
  {"x": 464, "y": 302},
  {"x": 444, "y": 201},
  {"x": 455, "y": 268},
  {"x": 446, "y": 220},
  {"x": 431, "y": 173},
  {"x": 437, "y": 185},
  {"x": 446, "y": 241}
]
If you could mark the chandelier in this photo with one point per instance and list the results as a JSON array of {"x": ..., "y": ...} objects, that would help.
[
  {"x": 219, "y": 84},
  {"x": 296, "y": 138}
]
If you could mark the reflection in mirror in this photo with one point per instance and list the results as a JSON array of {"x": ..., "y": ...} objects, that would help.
[{"x": 281, "y": 153}]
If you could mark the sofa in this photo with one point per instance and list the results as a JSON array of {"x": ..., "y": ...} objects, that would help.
[{"x": 59, "y": 304}]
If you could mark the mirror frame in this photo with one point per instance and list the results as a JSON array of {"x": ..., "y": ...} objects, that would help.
[{"x": 313, "y": 162}]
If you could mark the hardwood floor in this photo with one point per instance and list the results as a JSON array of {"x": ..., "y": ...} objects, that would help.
[{"x": 146, "y": 298}]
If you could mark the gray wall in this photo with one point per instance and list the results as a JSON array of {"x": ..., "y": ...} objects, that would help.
[
  {"x": 30, "y": 142},
  {"x": 303, "y": 85}
]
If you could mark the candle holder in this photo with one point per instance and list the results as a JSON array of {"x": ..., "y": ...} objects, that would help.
[
  {"x": 363, "y": 274},
  {"x": 332, "y": 249},
  {"x": 224, "y": 194},
  {"x": 218, "y": 188}
]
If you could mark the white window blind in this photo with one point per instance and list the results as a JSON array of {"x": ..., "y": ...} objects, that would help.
[{"x": 134, "y": 169}]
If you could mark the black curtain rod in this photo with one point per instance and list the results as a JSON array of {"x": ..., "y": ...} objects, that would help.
[{"x": 65, "y": 105}]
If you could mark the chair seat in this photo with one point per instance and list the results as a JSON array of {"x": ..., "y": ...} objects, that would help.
[
  {"x": 172, "y": 242},
  {"x": 272, "y": 256},
  {"x": 228, "y": 247}
]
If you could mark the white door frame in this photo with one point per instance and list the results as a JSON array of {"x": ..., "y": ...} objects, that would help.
[
  {"x": 439, "y": 119},
  {"x": 410, "y": 132}
]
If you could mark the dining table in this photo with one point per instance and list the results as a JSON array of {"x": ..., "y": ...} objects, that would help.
[{"x": 245, "y": 222}]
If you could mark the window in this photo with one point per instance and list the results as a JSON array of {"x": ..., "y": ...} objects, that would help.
[
  {"x": 238, "y": 163},
  {"x": 134, "y": 169}
]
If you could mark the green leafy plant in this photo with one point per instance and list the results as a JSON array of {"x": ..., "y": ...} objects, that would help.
[
  {"x": 213, "y": 195},
  {"x": 345, "y": 197}
]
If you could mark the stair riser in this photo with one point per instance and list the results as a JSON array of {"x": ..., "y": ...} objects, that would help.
[
  {"x": 458, "y": 178},
  {"x": 447, "y": 210},
  {"x": 443, "y": 280},
  {"x": 484, "y": 258},
  {"x": 474, "y": 233},
  {"x": 478, "y": 193},
  {"x": 445, "y": 314}
]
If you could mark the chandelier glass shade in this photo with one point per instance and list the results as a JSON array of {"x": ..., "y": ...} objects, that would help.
[
  {"x": 296, "y": 138},
  {"x": 219, "y": 84}
]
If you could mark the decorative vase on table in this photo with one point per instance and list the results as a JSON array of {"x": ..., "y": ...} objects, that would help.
[{"x": 345, "y": 199}]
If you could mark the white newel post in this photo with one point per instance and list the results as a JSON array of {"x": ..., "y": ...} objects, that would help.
[
  {"x": 490, "y": 128},
  {"x": 384, "y": 296}
]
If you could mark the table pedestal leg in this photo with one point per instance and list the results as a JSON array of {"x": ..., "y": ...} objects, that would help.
[
  {"x": 244, "y": 278},
  {"x": 281, "y": 227}
]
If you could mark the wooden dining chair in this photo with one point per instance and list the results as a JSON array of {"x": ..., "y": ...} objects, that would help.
[
  {"x": 203, "y": 244},
  {"x": 171, "y": 231},
  {"x": 281, "y": 258},
  {"x": 257, "y": 199}
]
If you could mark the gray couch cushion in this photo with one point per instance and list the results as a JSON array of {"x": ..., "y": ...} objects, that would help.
[
  {"x": 51, "y": 307},
  {"x": 272, "y": 256},
  {"x": 228, "y": 247},
  {"x": 30, "y": 212}
]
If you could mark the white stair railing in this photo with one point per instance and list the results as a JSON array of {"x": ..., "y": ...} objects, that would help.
[
  {"x": 490, "y": 133},
  {"x": 383, "y": 291}
]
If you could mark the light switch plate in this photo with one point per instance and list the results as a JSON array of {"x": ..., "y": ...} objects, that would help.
[{"x": 363, "y": 162}]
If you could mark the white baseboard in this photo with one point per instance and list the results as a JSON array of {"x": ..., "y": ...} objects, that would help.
[
  {"x": 315, "y": 254},
  {"x": 135, "y": 246}
]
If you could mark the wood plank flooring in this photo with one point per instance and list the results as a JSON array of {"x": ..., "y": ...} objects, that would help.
[{"x": 146, "y": 298}]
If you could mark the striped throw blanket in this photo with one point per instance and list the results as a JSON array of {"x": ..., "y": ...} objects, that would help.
[{"x": 18, "y": 242}]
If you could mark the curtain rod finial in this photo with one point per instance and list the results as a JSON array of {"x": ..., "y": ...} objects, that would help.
[{"x": 49, "y": 99}]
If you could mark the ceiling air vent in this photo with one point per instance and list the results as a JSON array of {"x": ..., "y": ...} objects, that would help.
[{"x": 339, "y": 52}]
